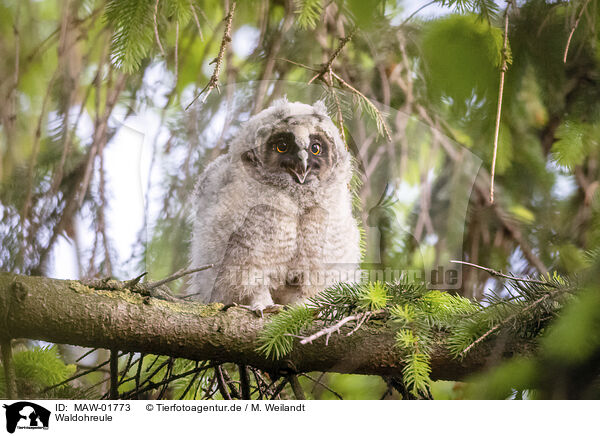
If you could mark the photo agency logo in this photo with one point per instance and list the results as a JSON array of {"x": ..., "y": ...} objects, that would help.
[{"x": 24, "y": 415}]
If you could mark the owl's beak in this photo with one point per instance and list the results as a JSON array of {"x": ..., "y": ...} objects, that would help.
[{"x": 302, "y": 170}]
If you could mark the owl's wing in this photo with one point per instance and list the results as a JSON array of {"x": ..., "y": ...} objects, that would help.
[
  {"x": 214, "y": 178},
  {"x": 205, "y": 247}
]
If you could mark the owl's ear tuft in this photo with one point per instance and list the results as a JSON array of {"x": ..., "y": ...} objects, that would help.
[
  {"x": 320, "y": 108},
  {"x": 281, "y": 106},
  {"x": 261, "y": 134}
]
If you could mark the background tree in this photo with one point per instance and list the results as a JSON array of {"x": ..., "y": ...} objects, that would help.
[{"x": 414, "y": 96}]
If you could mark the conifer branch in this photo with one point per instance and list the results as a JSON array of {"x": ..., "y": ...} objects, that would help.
[{"x": 67, "y": 311}]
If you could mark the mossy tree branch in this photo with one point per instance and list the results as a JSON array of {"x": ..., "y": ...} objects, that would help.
[{"x": 69, "y": 312}]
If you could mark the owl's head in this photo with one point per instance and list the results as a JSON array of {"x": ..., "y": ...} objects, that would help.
[{"x": 293, "y": 145}]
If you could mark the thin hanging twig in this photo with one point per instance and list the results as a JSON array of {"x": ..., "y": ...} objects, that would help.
[
  {"x": 503, "y": 70},
  {"x": 176, "y": 51},
  {"x": 573, "y": 30},
  {"x": 214, "y": 79},
  {"x": 195, "y": 15},
  {"x": 162, "y": 51},
  {"x": 407, "y": 19}
]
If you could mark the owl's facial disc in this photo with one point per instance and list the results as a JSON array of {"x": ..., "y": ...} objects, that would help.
[{"x": 299, "y": 155}]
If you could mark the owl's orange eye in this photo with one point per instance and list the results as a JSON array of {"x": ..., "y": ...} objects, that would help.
[
  {"x": 315, "y": 149},
  {"x": 282, "y": 148}
]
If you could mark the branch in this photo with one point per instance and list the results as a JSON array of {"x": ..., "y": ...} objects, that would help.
[
  {"x": 499, "y": 274},
  {"x": 146, "y": 289},
  {"x": 326, "y": 70},
  {"x": 67, "y": 311},
  {"x": 175, "y": 276},
  {"x": 214, "y": 79}
]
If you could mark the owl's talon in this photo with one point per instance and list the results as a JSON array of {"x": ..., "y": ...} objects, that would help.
[
  {"x": 261, "y": 310},
  {"x": 274, "y": 308}
]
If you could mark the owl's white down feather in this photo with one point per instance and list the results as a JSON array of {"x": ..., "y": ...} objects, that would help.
[{"x": 271, "y": 244}]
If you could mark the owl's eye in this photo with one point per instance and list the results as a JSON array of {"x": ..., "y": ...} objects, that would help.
[
  {"x": 282, "y": 147},
  {"x": 315, "y": 148}
]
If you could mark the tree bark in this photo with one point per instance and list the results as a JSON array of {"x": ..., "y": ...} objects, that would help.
[{"x": 69, "y": 312}]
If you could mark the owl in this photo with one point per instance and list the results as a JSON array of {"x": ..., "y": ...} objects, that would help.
[{"x": 274, "y": 214}]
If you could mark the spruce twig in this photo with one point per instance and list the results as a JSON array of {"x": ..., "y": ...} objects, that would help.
[{"x": 328, "y": 331}]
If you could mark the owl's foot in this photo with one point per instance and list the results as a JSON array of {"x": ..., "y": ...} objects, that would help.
[{"x": 260, "y": 309}]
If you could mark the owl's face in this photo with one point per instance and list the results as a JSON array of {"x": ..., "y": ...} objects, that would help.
[{"x": 294, "y": 154}]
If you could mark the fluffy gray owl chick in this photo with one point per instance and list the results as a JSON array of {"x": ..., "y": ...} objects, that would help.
[{"x": 274, "y": 214}]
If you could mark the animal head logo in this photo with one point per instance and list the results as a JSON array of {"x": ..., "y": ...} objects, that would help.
[{"x": 26, "y": 415}]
